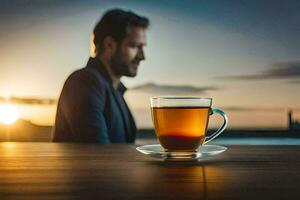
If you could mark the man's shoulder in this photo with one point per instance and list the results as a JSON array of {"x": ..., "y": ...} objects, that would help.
[{"x": 88, "y": 76}]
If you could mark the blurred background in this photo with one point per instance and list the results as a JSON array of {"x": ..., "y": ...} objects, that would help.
[{"x": 243, "y": 54}]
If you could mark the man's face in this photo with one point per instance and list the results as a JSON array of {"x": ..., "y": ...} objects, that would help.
[{"x": 129, "y": 53}]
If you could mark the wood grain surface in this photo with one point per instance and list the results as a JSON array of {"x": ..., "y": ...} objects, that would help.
[{"x": 91, "y": 171}]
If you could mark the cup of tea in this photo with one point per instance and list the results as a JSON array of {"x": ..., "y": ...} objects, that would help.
[{"x": 181, "y": 122}]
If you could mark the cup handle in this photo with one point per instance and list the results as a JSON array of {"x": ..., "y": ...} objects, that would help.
[{"x": 221, "y": 129}]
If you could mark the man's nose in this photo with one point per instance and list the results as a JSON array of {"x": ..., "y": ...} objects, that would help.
[{"x": 141, "y": 54}]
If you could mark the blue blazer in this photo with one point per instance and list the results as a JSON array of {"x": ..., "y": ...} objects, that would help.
[{"x": 91, "y": 110}]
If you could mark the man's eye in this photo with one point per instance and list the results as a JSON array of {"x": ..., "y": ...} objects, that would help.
[{"x": 134, "y": 46}]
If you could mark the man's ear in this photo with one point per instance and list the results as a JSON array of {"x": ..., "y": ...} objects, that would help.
[
  {"x": 93, "y": 48},
  {"x": 110, "y": 45}
]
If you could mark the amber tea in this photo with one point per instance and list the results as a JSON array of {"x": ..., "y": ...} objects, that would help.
[{"x": 180, "y": 128}]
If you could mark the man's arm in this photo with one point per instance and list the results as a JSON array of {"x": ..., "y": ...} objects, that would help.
[{"x": 84, "y": 106}]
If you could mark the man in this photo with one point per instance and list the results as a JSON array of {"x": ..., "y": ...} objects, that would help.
[{"x": 91, "y": 106}]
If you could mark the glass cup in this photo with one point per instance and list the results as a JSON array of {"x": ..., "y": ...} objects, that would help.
[{"x": 181, "y": 122}]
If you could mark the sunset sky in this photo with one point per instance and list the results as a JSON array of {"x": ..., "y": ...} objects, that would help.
[{"x": 244, "y": 54}]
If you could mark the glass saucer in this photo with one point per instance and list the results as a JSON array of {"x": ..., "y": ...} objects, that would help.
[{"x": 157, "y": 151}]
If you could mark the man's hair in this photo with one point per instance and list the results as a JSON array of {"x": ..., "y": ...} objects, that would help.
[{"x": 115, "y": 23}]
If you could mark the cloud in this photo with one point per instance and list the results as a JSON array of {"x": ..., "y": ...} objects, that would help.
[
  {"x": 36, "y": 101},
  {"x": 282, "y": 70},
  {"x": 172, "y": 89},
  {"x": 295, "y": 81}
]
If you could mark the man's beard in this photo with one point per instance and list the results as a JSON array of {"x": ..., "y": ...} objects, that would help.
[{"x": 119, "y": 67}]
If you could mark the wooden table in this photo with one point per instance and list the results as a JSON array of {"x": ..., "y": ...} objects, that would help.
[{"x": 90, "y": 171}]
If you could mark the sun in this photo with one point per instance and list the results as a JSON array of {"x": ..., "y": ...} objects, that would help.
[{"x": 8, "y": 114}]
